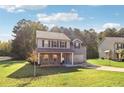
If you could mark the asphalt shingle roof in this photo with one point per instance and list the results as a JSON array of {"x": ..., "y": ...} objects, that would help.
[{"x": 51, "y": 35}]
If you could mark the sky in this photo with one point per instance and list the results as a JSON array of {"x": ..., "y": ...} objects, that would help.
[{"x": 77, "y": 16}]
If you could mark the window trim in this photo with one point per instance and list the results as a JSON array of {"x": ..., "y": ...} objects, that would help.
[
  {"x": 63, "y": 44},
  {"x": 54, "y": 42},
  {"x": 77, "y": 45}
]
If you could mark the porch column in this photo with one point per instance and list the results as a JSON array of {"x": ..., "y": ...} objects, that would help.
[
  {"x": 38, "y": 58},
  {"x": 61, "y": 56},
  {"x": 72, "y": 56}
]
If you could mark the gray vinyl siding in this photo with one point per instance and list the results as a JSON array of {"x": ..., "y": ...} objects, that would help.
[
  {"x": 79, "y": 54},
  {"x": 108, "y": 44}
]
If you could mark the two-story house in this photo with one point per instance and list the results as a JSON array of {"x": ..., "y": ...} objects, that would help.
[
  {"x": 109, "y": 46},
  {"x": 54, "y": 48}
]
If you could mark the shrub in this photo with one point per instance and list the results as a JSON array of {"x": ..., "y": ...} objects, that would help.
[
  {"x": 102, "y": 58},
  {"x": 32, "y": 58}
]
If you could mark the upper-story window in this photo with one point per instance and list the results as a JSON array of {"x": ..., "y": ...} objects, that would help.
[
  {"x": 46, "y": 43},
  {"x": 119, "y": 45},
  {"x": 54, "y": 44},
  {"x": 77, "y": 43},
  {"x": 63, "y": 44}
]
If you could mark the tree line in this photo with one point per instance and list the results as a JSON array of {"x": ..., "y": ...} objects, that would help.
[
  {"x": 5, "y": 48},
  {"x": 24, "y": 42}
]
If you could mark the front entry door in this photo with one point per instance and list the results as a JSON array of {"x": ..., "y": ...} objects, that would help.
[{"x": 66, "y": 58}]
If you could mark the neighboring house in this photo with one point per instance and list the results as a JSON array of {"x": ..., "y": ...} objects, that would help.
[
  {"x": 109, "y": 46},
  {"x": 54, "y": 48}
]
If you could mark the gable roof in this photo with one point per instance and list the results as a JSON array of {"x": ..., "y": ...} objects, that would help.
[
  {"x": 113, "y": 39},
  {"x": 51, "y": 35},
  {"x": 76, "y": 40},
  {"x": 73, "y": 36}
]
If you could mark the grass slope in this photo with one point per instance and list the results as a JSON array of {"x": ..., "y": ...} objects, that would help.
[
  {"x": 19, "y": 73},
  {"x": 106, "y": 62}
]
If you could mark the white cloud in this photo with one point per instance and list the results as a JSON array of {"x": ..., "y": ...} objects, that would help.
[
  {"x": 111, "y": 25},
  {"x": 108, "y": 25},
  {"x": 59, "y": 17},
  {"x": 20, "y": 8}
]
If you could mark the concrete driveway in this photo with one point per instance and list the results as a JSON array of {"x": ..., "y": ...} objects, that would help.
[
  {"x": 108, "y": 68},
  {"x": 105, "y": 68}
]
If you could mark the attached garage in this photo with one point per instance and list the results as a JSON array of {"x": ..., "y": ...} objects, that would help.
[{"x": 79, "y": 58}]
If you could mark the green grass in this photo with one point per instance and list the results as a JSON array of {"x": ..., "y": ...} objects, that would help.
[
  {"x": 106, "y": 62},
  {"x": 20, "y": 73}
]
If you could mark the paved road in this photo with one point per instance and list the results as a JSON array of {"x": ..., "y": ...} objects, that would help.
[
  {"x": 5, "y": 58},
  {"x": 108, "y": 68}
]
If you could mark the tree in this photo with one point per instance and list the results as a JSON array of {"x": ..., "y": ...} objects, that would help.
[
  {"x": 5, "y": 48},
  {"x": 120, "y": 53},
  {"x": 121, "y": 32},
  {"x": 91, "y": 41},
  {"x": 55, "y": 29},
  {"x": 25, "y": 34},
  {"x": 108, "y": 32}
]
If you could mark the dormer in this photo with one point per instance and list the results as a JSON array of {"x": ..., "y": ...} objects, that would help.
[{"x": 77, "y": 43}]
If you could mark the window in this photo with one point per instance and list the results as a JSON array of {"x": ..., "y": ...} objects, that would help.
[
  {"x": 63, "y": 44},
  {"x": 77, "y": 45},
  {"x": 116, "y": 46},
  {"x": 45, "y": 57},
  {"x": 120, "y": 45},
  {"x": 46, "y": 43},
  {"x": 123, "y": 45},
  {"x": 54, "y": 44},
  {"x": 55, "y": 57}
]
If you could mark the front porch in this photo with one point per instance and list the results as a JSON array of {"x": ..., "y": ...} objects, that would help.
[{"x": 55, "y": 58}]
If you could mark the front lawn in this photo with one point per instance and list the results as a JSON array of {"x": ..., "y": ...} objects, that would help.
[
  {"x": 20, "y": 73},
  {"x": 106, "y": 62}
]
